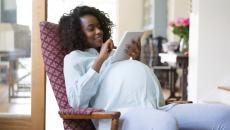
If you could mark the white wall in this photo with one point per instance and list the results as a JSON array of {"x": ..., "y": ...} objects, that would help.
[
  {"x": 209, "y": 64},
  {"x": 130, "y": 16}
]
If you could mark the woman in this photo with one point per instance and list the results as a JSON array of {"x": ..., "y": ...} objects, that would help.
[{"x": 127, "y": 86}]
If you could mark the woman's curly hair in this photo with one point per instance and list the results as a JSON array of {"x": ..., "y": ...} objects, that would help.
[{"x": 71, "y": 33}]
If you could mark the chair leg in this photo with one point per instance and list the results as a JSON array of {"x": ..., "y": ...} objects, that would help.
[{"x": 115, "y": 124}]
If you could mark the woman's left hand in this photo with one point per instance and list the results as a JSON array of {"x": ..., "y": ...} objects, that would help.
[{"x": 134, "y": 49}]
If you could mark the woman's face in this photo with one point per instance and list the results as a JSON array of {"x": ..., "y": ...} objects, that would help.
[{"x": 92, "y": 29}]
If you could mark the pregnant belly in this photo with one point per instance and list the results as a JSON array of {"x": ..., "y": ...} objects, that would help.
[
  {"x": 127, "y": 83},
  {"x": 129, "y": 71}
]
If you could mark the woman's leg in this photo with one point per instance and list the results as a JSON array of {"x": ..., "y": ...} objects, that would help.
[
  {"x": 147, "y": 119},
  {"x": 202, "y": 116}
]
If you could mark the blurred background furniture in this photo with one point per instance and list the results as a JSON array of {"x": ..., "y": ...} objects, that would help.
[
  {"x": 180, "y": 61},
  {"x": 15, "y": 45},
  {"x": 169, "y": 66},
  {"x": 151, "y": 47}
]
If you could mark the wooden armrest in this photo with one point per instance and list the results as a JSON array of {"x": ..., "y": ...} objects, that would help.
[
  {"x": 97, "y": 115},
  {"x": 94, "y": 115}
]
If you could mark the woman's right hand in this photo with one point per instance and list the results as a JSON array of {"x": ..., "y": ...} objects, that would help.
[
  {"x": 103, "y": 55},
  {"x": 106, "y": 49}
]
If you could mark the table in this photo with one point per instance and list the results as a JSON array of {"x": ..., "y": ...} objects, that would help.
[
  {"x": 182, "y": 62},
  {"x": 171, "y": 75},
  {"x": 179, "y": 61},
  {"x": 13, "y": 80}
]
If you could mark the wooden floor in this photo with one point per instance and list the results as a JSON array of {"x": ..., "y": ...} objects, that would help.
[{"x": 15, "y": 105}]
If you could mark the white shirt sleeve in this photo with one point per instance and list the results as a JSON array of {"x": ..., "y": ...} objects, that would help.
[{"x": 81, "y": 84}]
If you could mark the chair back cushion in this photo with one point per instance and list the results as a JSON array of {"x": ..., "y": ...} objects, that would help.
[{"x": 53, "y": 56}]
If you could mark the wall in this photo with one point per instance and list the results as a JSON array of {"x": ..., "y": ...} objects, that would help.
[
  {"x": 129, "y": 16},
  {"x": 209, "y": 50}
]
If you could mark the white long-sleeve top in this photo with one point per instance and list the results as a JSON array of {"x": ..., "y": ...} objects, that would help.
[{"x": 81, "y": 80}]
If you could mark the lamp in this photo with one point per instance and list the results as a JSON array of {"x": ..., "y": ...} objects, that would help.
[{"x": 14, "y": 37}]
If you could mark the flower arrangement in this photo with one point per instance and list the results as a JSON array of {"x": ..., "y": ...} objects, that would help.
[{"x": 180, "y": 27}]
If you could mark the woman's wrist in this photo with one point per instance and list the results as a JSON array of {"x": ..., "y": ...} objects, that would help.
[
  {"x": 100, "y": 59},
  {"x": 97, "y": 64}
]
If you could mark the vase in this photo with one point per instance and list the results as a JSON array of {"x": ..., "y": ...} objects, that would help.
[{"x": 183, "y": 45}]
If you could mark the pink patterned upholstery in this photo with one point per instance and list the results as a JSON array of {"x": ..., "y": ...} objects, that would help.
[
  {"x": 53, "y": 55},
  {"x": 79, "y": 111}
]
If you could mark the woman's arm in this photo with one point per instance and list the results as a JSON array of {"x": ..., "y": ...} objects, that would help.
[
  {"x": 103, "y": 55},
  {"x": 81, "y": 84}
]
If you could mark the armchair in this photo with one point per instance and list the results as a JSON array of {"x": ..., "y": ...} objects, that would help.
[{"x": 53, "y": 55}]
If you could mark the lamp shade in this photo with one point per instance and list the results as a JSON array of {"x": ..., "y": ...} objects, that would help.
[{"x": 14, "y": 36}]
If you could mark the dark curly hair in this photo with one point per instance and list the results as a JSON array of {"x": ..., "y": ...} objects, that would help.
[{"x": 71, "y": 34}]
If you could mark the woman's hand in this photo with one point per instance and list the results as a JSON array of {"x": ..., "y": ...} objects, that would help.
[
  {"x": 106, "y": 49},
  {"x": 103, "y": 55},
  {"x": 134, "y": 49}
]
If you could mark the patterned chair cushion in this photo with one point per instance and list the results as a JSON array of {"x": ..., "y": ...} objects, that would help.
[{"x": 53, "y": 55}]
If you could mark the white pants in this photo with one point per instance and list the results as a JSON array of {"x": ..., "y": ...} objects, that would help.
[{"x": 180, "y": 117}]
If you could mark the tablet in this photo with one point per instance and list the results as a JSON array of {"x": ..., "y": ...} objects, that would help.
[{"x": 126, "y": 39}]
